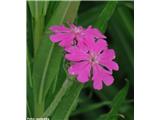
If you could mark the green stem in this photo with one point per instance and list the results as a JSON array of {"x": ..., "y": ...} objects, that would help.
[
  {"x": 39, "y": 109},
  {"x": 44, "y": 74},
  {"x": 38, "y": 31},
  {"x": 29, "y": 70},
  {"x": 28, "y": 110}
]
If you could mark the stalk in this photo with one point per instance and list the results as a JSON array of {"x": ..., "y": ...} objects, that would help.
[
  {"x": 39, "y": 109},
  {"x": 38, "y": 31}
]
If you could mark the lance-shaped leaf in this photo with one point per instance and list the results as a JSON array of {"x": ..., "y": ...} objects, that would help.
[
  {"x": 38, "y": 10},
  {"x": 116, "y": 104},
  {"x": 64, "y": 100},
  {"x": 48, "y": 57},
  {"x": 68, "y": 102},
  {"x": 105, "y": 15}
]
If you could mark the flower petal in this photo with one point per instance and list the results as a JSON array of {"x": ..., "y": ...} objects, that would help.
[
  {"x": 97, "y": 81},
  {"x": 67, "y": 42},
  {"x": 99, "y": 75},
  {"x": 66, "y": 38},
  {"x": 95, "y": 46},
  {"x": 111, "y": 65},
  {"x": 108, "y": 54},
  {"x": 105, "y": 76},
  {"x": 100, "y": 45},
  {"x": 97, "y": 84},
  {"x": 76, "y": 54},
  {"x": 106, "y": 58},
  {"x": 89, "y": 43},
  {"x": 53, "y": 38},
  {"x": 82, "y": 70},
  {"x": 94, "y": 32},
  {"x": 109, "y": 80}
]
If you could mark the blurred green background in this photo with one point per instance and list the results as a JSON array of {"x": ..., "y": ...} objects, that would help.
[{"x": 119, "y": 29}]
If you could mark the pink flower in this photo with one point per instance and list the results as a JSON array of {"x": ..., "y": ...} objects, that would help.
[
  {"x": 88, "y": 53},
  {"x": 74, "y": 35},
  {"x": 92, "y": 61}
]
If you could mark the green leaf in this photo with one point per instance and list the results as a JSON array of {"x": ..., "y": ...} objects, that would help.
[
  {"x": 89, "y": 16},
  {"x": 57, "y": 98},
  {"x": 32, "y": 7},
  {"x": 29, "y": 32},
  {"x": 64, "y": 12},
  {"x": 91, "y": 107},
  {"x": 29, "y": 71},
  {"x": 38, "y": 32},
  {"x": 51, "y": 10},
  {"x": 129, "y": 4},
  {"x": 52, "y": 70},
  {"x": 46, "y": 3},
  {"x": 126, "y": 19},
  {"x": 48, "y": 58},
  {"x": 123, "y": 42},
  {"x": 65, "y": 100},
  {"x": 68, "y": 102},
  {"x": 116, "y": 104},
  {"x": 38, "y": 10},
  {"x": 105, "y": 15}
]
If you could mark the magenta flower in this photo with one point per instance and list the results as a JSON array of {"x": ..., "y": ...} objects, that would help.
[
  {"x": 88, "y": 53},
  {"x": 74, "y": 35},
  {"x": 92, "y": 61}
]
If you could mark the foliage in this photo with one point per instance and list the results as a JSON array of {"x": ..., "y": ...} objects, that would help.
[{"x": 50, "y": 92}]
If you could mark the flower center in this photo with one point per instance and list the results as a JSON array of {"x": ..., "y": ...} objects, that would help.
[
  {"x": 77, "y": 30},
  {"x": 93, "y": 58},
  {"x": 74, "y": 42}
]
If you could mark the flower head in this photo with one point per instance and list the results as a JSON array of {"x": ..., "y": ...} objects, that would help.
[
  {"x": 88, "y": 53},
  {"x": 74, "y": 35},
  {"x": 94, "y": 61}
]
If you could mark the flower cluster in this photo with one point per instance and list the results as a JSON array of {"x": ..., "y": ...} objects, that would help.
[{"x": 88, "y": 53}]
